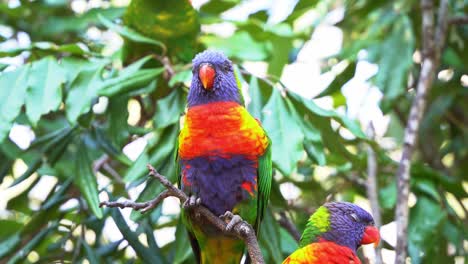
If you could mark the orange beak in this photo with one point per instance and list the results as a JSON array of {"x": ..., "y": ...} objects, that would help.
[
  {"x": 207, "y": 75},
  {"x": 371, "y": 235}
]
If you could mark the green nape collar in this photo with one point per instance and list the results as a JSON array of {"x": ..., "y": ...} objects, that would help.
[{"x": 318, "y": 223}]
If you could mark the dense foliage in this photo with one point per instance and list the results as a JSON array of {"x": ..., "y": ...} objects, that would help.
[{"x": 86, "y": 96}]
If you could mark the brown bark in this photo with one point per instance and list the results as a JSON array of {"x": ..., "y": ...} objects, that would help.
[
  {"x": 432, "y": 46},
  {"x": 372, "y": 189}
]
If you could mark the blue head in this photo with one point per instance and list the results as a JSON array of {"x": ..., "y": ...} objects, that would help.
[
  {"x": 350, "y": 225},
  {"x": 213, "y": 79}
]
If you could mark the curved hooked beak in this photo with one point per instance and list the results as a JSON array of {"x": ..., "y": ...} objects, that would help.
[
  {"x": 207, "y": 74},
  {"x": 371, "y": 235}
]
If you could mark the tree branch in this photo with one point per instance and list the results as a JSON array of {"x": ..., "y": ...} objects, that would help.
[
  {"x": 432, "y": 47},
  {"x": 372, "y": 189},
  {"x": 243, "y": 230},
  {"x": 458, "y": 20},
  {"x": 288, "y": 226}
]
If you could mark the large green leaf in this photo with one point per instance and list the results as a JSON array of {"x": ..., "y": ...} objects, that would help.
[
  {"x": 270, "y": 238},
  {"x": 31, "y": 244},
  {"x": 142, "y": 252},
  {"x": 340, "y": 80},
  {"x": 129, "y": 33},
  {"x": 86, "y": 180},
  {"x": 314, "y": 109},
  {"x": 8, "y": 244},
  {"x": 259, "y": 94},
  {"x": 44, "y": 93},
  {"x": 56, "y": 25},
  {"x": 169, "y": 109},
  {"x": 394, "y": 66},
  {"x": 129, "y": 81},
  {"x": 182, "y": 248},
  {"x": 240, "y": 45},
  {"x": 83, "y": 90},
  {"x": 284, "y": 133},
  {"x": 426, "y": 221},
  {"x": 13, "y": 86},
  {"x": 49, "y": 47}
]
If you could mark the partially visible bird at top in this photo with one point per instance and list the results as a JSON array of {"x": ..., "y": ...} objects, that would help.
[
  {"x": 223, "y": 158},
  {"x": 333, "y": 234}
]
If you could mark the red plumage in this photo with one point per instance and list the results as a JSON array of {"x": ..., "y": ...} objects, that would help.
[{"x": 323, "y": 253}]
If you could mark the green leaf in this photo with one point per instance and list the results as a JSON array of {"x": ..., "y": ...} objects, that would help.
[
  {"x": 169, "y": 109},
  {"x": 182, "y": 248},
  {"x": 129, "y": 33},
  {"x": 153, "y": 187},
  {"x": 108, "y": 147},
  {"x": 282, "y": 46},
  {"x": 86, "y": 180},
  {"x": 118, "y": 129},
  {"x": 388, "y": 196},
  {"x": 7, "y": 245},
  {"x": 91, "y": 254},
  {"x": 142, "y": 252},
  {"x": 315, "y": 110},
  {"x": 284, "y": 132},
  {"x": 315, "y": 151},
  {"x": 73, "y": 66},
  {"x": 394, "y": 66},
  {"x": 83, "y": 90},
  {"x": 240, "y": 45},
  {"x": 426, "y": 187},
  {"x": 181, "y": 77},
  {"x": 217, "y": 7},
  {"x": 58, "y": 25},
  {"x": 44, "y": 93},
  {"x": 127, "y": 81},
  {"x": 49, "y": 47},
  {"x": 270, "y": 238},
  {"x": 424, "y": 230},
  {"x": 340, "y": 80},
  {"x": 151, "y": 240},
  {"x": 138, "y": 168},
  {"x": 259, "y": 95},
  {"x": 13, "y": 86},
  {"x": 33, "y": 243}
]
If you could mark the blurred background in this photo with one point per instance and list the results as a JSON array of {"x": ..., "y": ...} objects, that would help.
[{"x": 92, "y": 91}]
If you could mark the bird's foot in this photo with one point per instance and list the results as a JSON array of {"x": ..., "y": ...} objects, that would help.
[
  {"x": 192, "y": 202},
  {"x": 231, "y": 219}
]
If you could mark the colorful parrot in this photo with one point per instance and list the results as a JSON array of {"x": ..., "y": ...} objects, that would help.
[
  {"x": 223, "y": 158},
  {"x": 333, "y": 234}
]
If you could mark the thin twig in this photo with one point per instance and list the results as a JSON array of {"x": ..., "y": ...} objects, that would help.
[
  {"x": 289, "y": 226},
  {"x": 144, "y": 207},
  {"x": 372, "y": 189},
  {"x": 458, "y": 20},
  {"x": 432, "y": 47},
  {"x": 170, "y": 72},
  {"x": 243, "y": 230}
]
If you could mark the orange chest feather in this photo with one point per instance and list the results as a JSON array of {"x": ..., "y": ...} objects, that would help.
[
  {"x": 322, "y": 253},
  {"x": 221, "y": 129}
]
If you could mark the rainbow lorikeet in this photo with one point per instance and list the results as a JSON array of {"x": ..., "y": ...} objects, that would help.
[
  {"x": 333, "y": 234},
  {"x": 223, "y": 157}
]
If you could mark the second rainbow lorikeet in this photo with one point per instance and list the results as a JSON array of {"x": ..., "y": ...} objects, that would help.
[
  {"x": 223, "y": 157},
  {"x": 333, "y": 234}
]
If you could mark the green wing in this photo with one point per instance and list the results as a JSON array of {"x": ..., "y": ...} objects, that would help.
[{"x": 264, "y": 179}]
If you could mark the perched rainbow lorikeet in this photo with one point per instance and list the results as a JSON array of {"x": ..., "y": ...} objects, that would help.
[
  {"x": 223, "y": 157},
  {"x": 333, "y": 234}
]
